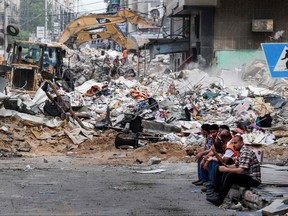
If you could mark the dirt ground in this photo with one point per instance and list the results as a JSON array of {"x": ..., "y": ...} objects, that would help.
[{"x": 20, "y": 140}]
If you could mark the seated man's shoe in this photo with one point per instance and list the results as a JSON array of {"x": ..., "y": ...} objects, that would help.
[
  {"x": 210, "y": 189},
  {"x": 209, "y": 186},
  {"x": 212, "y": 194},
  {"x": 196, "y": 181},
  {"x": 204, "y": 189},
  {"x": 216, "y": 200},
  {"x": 209, "y": 192},
  {"x": 199, "y": 183}
]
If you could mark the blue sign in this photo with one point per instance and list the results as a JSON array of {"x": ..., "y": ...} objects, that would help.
[{"x": 277, "y": 59}]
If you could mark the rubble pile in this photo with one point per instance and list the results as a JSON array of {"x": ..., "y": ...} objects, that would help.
[
  {"x": 159, "y": 106},
  {"x": 87, "y": 63}
]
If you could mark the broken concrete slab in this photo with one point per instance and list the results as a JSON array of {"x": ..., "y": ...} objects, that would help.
[
  {"x": 154, "y": 161},
  {"x": 282, "y": 141},
  {"x": 79, "y": 135},
  {"x": 87, "y": 85},
  {"x": 151, "y": 171},
  {"x": 2, "y": 96},
  {"x": 43, "y": 134},
  {"x": 249, "y": 213},
  {"x": 277, "y": 207},
  {"x": 160, "y": 127},
  {"x": 4, "y": 129},
  {"x": 280, "y": 133},
  {"x": 31, "y": 120},
  {"x": 128, "y": 83},
  {"x": 260, "y": 91},
  {"x": 279, "y": 176}
]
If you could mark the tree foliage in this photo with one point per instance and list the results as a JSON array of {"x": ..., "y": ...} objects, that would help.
[
  {"x": 32, "y": 14},
  {"x": 21, "y": 36}
]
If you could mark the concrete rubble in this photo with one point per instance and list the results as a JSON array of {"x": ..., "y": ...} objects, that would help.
[
  {"x": 184, "y": 99},
  {"x": 277, "y": 207},
  {"x": 171, "y": 105}
]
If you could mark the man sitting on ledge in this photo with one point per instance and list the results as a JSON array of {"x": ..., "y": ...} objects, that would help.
[{"x": 245, "y": 172}]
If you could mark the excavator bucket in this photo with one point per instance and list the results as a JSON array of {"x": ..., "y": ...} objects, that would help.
[
  {"x": 133, "y": 17},
  {"x": 131, "y": 44},
  {"x": 137, "y": 41}
]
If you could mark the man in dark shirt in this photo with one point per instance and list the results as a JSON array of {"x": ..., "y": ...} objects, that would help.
[
  {"x": 210, "y": 132},
  {"x": 107, "y": 64},
  {"x": 116, "y": 61},
  {"x": 245, "y": 172},
  {"x": 107, "y": 60},
  {"x": 115, "y": 69},
  {"x": 224, "y": 154}
]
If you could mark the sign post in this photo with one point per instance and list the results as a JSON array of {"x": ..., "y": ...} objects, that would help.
[
  {"x": 276, "y": 55},
  {"x": 40, "y": 32}
]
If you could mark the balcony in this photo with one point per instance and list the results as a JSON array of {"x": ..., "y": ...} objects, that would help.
[{"x": 183, "y": 7}]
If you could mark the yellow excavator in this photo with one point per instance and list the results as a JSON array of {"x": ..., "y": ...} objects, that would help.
[{"x": 78, "y": 30}]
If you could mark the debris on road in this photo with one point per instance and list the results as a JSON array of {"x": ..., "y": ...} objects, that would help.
[{"x": 158, "y": 107}]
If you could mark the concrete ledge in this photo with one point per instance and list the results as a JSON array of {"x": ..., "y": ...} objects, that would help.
[{"x": 277, "y": 207}]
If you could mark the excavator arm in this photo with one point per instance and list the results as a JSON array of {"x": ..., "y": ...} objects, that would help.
[
  {"x": 98, "y": 20},
  {"x": 112, "y": 32},
  {"x": 85, "y": 36}
]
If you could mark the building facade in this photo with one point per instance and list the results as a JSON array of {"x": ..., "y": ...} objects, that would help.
[
  {"x": 63, "y": 11},
  {"x": 220, "y": 30},
  {"x": 8, "y": 15}
]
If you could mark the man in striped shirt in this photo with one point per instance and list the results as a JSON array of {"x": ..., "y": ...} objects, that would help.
[{"x": 245, "y": 172}]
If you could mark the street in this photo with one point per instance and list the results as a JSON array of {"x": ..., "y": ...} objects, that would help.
[
  {"x": 105, "y": 105},
  {"x": 76, "y": 186}
]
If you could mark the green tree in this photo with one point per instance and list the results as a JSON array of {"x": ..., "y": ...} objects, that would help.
[
  {"x": 21, "y": 36},
  {"x": 32, "y": 14}
]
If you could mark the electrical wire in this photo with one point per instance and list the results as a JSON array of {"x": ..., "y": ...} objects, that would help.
[
  {"x": 96, "y": 2},
  {"x": 50, "y": 15},
  {"x": 79, "y": 12}
]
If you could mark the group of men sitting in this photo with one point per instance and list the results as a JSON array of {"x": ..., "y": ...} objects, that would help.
[{"x": 223, "y": 161}]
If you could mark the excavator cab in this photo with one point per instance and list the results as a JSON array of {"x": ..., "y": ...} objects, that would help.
[
  {"x": 53, "y": 66},
  {"x": 53, "y": 62},
  {"x": 26, "y": 53}
]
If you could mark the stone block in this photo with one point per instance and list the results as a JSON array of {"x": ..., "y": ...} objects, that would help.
[
  {"x": 159, "y": 127},
  {"x": 277, "y": 207}
]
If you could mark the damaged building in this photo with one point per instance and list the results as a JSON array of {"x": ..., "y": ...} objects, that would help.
[
  {"x": 218, "y": 33},
  {"x": 151, "y": 109}
]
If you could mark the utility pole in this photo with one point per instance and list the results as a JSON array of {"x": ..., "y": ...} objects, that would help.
[
  {"x": 77, "y": 8},
  {"x": 52, "y": 27},
  {"x": 6, "y": 4},
  {"x": 46, "y": 16},
  {"x": 28, "y": 17}
]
